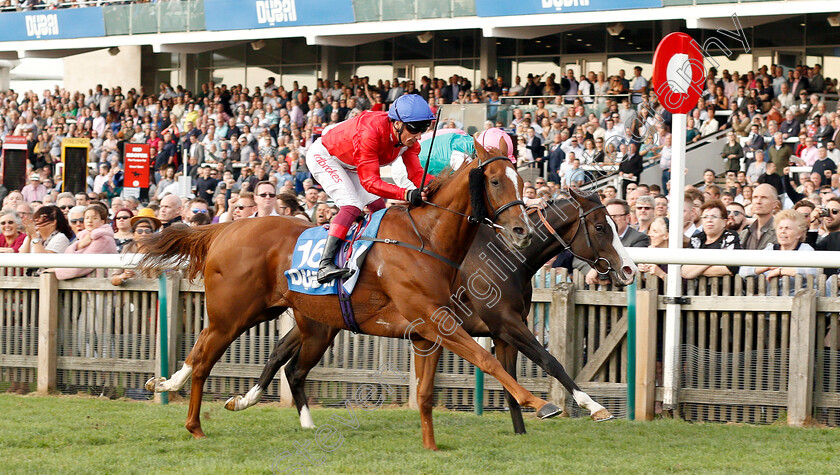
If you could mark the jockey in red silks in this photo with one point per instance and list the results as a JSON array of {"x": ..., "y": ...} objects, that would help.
[{"x": 346, "y": 160}]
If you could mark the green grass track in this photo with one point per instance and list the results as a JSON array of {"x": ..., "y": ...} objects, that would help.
[{"x": 80, "y": 435}]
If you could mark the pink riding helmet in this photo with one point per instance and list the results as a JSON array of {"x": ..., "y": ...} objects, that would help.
[{"x": 492, "y": 138}]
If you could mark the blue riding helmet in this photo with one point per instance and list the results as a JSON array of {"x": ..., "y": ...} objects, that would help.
[{"x": 413, "y": 111}]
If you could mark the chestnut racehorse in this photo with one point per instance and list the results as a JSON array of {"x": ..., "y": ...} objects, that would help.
[
  {"x": 579, "y": 224},
  {"x": 244, "y": 263}
]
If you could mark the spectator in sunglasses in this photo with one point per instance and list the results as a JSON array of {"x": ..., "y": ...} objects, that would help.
[
  {"x": 245, "y": 206},
  {"x": 827, "y": 216},
  {"x": 123, "y": 233},
  {"x": 266, "y": 200},
  {"x": 65, "y": 201},
  {"x": 76, "y": 219},
  {"x": 193, "y": 207}
]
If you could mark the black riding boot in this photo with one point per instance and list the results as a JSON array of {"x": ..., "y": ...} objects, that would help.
[{"x": 327, "y": 270}]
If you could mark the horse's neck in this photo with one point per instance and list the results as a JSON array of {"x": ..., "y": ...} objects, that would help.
[
  {"x": 449, "y": 233},
  {"x": 545, "y": 245}
]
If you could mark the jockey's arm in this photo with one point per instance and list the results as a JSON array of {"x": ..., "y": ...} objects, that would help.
[{"x": 367, "y": 167}]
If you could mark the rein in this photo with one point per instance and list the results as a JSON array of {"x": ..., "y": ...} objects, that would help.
[
  {"x": 567, "y": 246},
  {"x": 421, "y": 248}
]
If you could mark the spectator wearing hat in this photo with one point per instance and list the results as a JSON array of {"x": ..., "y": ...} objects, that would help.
[{"x": 35, "y": 190}]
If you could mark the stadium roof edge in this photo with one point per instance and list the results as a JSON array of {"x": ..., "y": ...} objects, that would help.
[{"x": 522, "y": 26}]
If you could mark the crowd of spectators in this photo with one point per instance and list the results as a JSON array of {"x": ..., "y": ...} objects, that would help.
[
  {"x": 28, "y": 5},
  {"x": 245, "y": 152}
]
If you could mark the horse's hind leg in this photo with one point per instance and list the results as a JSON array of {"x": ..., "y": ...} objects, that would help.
[
  {"x": 286, "y": 348},
  {"x": 425, "y": 365},
  {"x": 316, "y": 337},
  {"x": 211, "y": 345},
  {"x": 506, "y": 354}
]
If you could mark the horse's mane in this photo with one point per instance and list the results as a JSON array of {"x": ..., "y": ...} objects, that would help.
[{"x": 442, "y": 178}]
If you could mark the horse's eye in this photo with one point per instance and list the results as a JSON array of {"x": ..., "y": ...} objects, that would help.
[
  {"x": 599, "y": 228},
  {"x": 494, "y": 182}
]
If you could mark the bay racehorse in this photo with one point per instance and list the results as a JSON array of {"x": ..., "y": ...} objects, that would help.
[
  {"x": 579, "y": 224},
  {"x": 244, "y": 263}
]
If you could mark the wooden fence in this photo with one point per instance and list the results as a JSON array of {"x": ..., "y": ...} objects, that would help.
[{"x": 750, "y": 352}]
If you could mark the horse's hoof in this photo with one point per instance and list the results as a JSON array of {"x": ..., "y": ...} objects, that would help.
[
  {"x": 230, "y": 404},
  {"x": 152, "y": 383},
  {"x": 602, "y": 415},
  {"x": 549, "y": 410}
]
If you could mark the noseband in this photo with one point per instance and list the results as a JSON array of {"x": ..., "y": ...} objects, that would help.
[{"x": 581, "y": 223}]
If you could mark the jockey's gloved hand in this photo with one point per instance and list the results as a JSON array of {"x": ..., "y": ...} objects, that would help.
[{"x": 414, "y": 197}]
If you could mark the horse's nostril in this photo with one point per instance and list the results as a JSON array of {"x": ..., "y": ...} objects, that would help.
[
  {"x": 519, "y": 231},
  {"x": 627, "y": 270}
]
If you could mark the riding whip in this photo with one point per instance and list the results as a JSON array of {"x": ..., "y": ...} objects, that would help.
[{"x": 431, "y": 145}]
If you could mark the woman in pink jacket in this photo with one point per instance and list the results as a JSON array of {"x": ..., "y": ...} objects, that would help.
[{"x": 96, "y": 238}]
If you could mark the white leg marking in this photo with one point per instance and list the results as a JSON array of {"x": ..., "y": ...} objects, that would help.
[
  {"x": 175, "y": 383},
  {"x": 250, "y": 399},
  {"x": 583, "y": 400},
  {"x": 306, "y": 421}
]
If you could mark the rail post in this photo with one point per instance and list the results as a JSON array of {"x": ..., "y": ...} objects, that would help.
[
  {"x": 47, "y": 333},
  {"x": 561, "y": 338},
  {"x": 803, "y": 328},
  {"x": 168, "y": 318},
  {"x": 646, "y": 313}
]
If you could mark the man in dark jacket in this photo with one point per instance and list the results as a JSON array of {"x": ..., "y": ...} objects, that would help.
[
  {"x": 631, "y": 167},
  {"x": 831, "y": 241}
]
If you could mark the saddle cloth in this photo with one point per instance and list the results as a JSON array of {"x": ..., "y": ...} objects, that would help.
[{"x": 302, "y": 276}]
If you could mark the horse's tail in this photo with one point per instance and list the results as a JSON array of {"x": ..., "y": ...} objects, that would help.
[{"x": 178, "y": 246}]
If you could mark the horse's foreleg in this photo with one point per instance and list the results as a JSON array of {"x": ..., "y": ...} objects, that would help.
[
  {"x": 519, "y": 336},
  {"x": 506, "y": 354},
  {"x": 210, "y": 346},
  {"x": 460, "y": 343},
  {"x": 159, "y": 384},
  {"x": 288, "y": 346},
  {"x": 316, "y": 338},
  {"x": 425, "y": 364}
]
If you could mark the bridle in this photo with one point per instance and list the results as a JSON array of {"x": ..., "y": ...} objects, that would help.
[
  {"x": 581, "y": 223},
  {"x": 501, "y": 209}
]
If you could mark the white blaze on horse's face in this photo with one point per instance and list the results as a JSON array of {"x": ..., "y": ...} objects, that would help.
[
  {"x": 627, "y": 269},
  {"x": 514, "y": 178}
]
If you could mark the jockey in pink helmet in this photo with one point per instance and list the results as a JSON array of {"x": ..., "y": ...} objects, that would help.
[{"x": 346, "y": 160}]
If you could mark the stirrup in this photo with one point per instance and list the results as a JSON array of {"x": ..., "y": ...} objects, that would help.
[{"x": 330, "y": 272}]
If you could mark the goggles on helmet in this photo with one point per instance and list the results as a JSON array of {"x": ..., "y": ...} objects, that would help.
[{"x": 417, "y": 127}]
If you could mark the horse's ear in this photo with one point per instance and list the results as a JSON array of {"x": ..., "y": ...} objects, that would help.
[
  {"x": 503, "y": 147},
  {"x": 480, "y": 153},
  {"x": 575, "y": 195}
]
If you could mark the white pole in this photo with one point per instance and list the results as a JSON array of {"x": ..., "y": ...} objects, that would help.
[{"x": 673, "y": 289}]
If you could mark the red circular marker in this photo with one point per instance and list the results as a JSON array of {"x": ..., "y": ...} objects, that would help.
[{"x": 678, "y": 73}]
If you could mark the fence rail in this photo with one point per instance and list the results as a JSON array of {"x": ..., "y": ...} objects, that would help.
[{"x": 752, "y": 350}]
